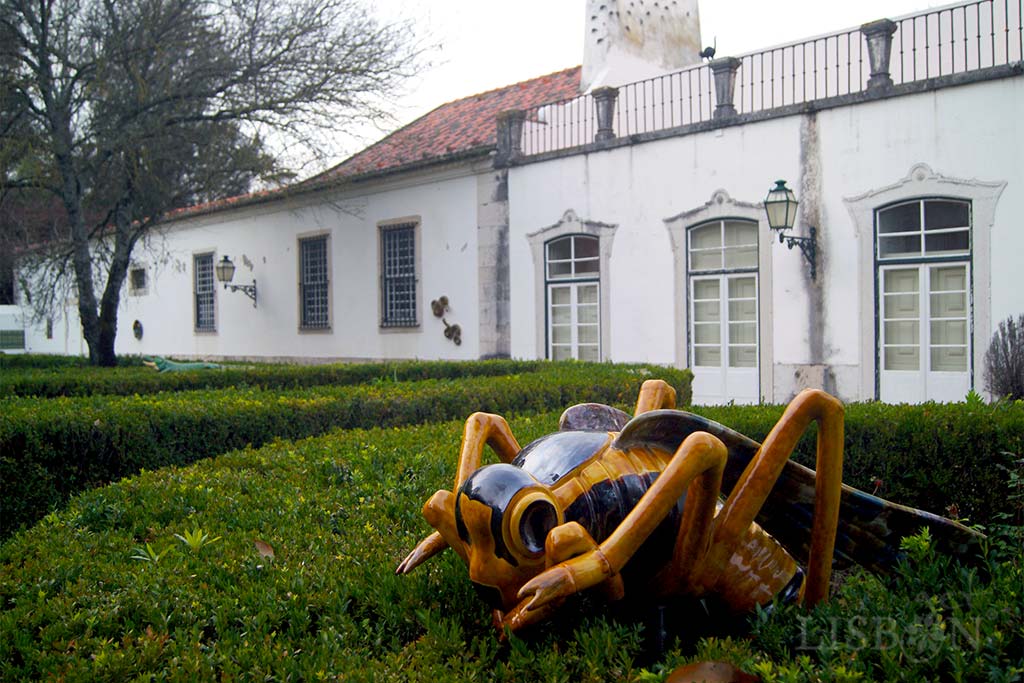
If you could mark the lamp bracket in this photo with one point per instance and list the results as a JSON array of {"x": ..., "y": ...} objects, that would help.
[
  {"x": 808, "y": 246},
  {"x": 248, "y": 290}
]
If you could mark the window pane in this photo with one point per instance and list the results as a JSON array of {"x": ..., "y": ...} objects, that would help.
[
  {"x": 560, "y": 271},
  {"x": 940, "y": 213},
  {"x": 742, "y": 333},
  {"x": 705, "y": 289},
  {"x": 949, "y": 305},
  {"x": 706, "y": 236},
  {"x": 706, "y": 260},
  {"x": 587, "y": 268},
  {"x": 900, "y": 280},
  {"x": 902, "y": 332},
  {"x": 745, "y": 257},
  {"x": 949, "y": 359},
  {"x": 707, "y": 334},
  {"x": 586, "y": 247},
  {"x": 742, "y": 357},
  {"x": 905, "y": 245},
  {"x": 901, "y": 306},
  {"x": 587, "y": 315},
  {"x": 740, "y": 233},
  {"x": 561, "y": 315},
  {"x": 588, "y": 334},
  {"x": 707, "y": 356},
  {"x": 902, "y": 358},
  {"x": 560, "y": 249},
  {"x": 902, "y": 218},
  {"x": 947, "y": 241},
  {"x": 742, "y": 310},
  {"x": 561, "y": 334},
  {"x": 742, "y": 288},
  {"x": 561, "y": 295},
  {"x": 587, "y": 294},
  {"x": 590, "y": 353},
  {"x": 706, "y": 311},
  {"x": 949, "y": 332},
  {"x": 949, "y": 279},
  {"x": 561, "y": 353}
]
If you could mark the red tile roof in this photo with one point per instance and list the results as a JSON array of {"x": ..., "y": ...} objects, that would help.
[
  {"x": 456, "y": 127},
  {"x": 453, "y": 129}
]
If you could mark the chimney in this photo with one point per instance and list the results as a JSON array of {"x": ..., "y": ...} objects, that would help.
[{"x": 630, "y": 40}]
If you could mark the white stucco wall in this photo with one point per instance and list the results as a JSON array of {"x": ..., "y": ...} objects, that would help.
[
  {"x": 966, "y": 132},
  {"x": 262, "y": 241}
]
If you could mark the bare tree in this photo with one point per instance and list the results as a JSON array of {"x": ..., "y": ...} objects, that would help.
[{"x": 125, "y": 110}]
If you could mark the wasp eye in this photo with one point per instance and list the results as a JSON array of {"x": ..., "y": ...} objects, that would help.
[{"x": 538, "y": 519}]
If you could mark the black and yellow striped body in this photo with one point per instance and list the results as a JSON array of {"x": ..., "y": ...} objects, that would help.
[{"x": 597, "y": 484}]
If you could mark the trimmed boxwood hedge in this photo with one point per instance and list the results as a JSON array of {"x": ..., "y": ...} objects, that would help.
[
  {"x": 71, "y": 380},
  {"x": 929, "y": 456},
  {"x": 54, "y": 447},
  {"x": 104, "y": 590}
]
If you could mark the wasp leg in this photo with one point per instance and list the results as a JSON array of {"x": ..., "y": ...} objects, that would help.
[
  {"x": 655, "y": 394},
  {"x": 481, "y": 429},
  {"x": 757, "y": 480},
  {"x": 562, "y": 543},
  {"x": 700, "y": 456}
]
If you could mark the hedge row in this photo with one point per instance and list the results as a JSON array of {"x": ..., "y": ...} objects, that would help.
[
  {"x": 54, "y": 447},
  {"x": 49, "y": 382},
  {"x": 12, "y": 361},
  {"x": 105, "y": 590},
  {"x": 930, "y": 456}
]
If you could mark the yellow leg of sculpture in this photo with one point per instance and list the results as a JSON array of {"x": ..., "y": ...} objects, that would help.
[
  {"x": 699, "y": 456},
  {"x": 655, "y": 394},
  {"x": 757, "y": 480},
  {"x": 481, "y": 429}
]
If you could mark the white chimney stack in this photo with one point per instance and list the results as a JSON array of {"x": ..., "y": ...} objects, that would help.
[{"x": 630, "y": 40}]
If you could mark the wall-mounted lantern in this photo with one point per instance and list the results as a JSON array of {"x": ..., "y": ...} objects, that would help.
[
  {"x": 226, "y": 272},
  {"x": 780, "y": 205}
]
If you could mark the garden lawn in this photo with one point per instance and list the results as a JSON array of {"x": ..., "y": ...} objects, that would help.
[{"x": 295, "y": 581}]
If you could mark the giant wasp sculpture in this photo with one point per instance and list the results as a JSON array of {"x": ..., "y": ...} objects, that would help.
[{"x": 626, "y": 503}]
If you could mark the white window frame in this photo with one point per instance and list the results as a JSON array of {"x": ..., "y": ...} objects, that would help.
[
  {"x": 305, "y": 241},
  {"x": 571, "y": 224},
  {"x": 574, "y": 283},
  {"x": 723, "y": 207},
  {"x": 921, "y": 182}
]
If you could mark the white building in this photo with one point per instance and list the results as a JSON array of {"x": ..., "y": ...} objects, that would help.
[{"x": 626, "y": 223}]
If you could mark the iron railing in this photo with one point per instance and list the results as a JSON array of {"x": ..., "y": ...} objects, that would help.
[{"x": 941, "y": 42}]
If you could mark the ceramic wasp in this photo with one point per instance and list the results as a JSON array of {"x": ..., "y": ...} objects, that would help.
[{"x": 665, "y": 501}]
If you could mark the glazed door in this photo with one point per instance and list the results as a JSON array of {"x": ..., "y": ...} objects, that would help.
[
  {"x": 724, "y": 338},
  {"x": 924, "y": 333}
]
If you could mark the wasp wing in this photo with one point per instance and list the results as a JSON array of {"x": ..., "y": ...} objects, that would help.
[
  {"x": 870, "y": 528},
  {"x": 592, "y": 417}
]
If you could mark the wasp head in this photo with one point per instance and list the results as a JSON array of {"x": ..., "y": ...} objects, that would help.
[{"x": 503, "y": 516}]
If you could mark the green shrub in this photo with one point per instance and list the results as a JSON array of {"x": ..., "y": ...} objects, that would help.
[
  {"x": 10, "y": 361},
  {"x": 930, "y": 456},
  {"x": 104, "y": 589},
  {"x": 127, "y": 380},
  {"x": 54, "y": 447}
]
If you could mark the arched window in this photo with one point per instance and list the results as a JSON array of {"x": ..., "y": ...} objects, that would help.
[
  {"x": 923, "y": 249},
  {"x": 572, "y": 279}
]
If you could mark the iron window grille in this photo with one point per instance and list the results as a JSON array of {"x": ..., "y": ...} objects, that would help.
[
  {"x": 398, "y": 275},
  {"x": 206, "y": 320},
  {"x": 313, "y": 284}
]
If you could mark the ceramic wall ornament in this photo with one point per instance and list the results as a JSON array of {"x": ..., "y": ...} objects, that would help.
[{"x": 663, "y": 505}]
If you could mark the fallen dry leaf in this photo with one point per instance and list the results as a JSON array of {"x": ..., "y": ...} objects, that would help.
[{"x": 265, "y": 549}]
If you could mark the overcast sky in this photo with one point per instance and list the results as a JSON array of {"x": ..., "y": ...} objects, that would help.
[{"x": 486, "y": 44}]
